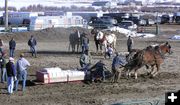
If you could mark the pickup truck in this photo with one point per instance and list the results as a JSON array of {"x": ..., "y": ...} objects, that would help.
[{"x": 128, "y": 25}]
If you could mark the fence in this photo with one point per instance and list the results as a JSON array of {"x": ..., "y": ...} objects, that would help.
[{"x": 149, "y": 29}]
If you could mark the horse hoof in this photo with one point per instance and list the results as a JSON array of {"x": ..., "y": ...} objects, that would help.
[{"x": 151, "y": 76}]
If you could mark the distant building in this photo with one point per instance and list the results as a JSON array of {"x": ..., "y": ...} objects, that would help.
[
  {"x": 54, "y": 13},
  {"x": 133, "y": 2},
  {"x": 86, "y": 14},
  {"x": 104, "y": 4}
]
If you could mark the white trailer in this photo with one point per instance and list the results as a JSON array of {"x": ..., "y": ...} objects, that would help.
[
  {"x": 43, "y": 22},
  {"x": 17, "y": 18}
]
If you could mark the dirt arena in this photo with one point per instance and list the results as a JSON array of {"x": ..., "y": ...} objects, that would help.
[{"x": 53, "y": 51}]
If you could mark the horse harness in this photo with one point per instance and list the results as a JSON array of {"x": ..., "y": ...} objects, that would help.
[{"x": 103, "y": 39}]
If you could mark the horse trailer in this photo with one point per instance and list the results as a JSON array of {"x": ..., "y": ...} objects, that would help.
[{"x": 43, "y": 22}]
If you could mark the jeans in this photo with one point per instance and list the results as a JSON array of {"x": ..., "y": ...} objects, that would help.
[
  {"x": 85, "y": 47},
  {"x": 33, "y": 50},
  {"x": 10, "y": 84},
  {"x": 21, "y": 76},
  {"x": 3, "y": 75},
  {"x": 11, "y": 52}
]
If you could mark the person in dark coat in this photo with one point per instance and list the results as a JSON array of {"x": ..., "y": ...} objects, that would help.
[
  {"x": 11, "y": 73},
  {"x": 85, "y": 43},
  {"x": 32, "y": 44},
  {"x": 12, "y": 46},
  {"x": 99, "y": 70},
  {"x": 129, "y": 43},
  {"x": 3, "y": 68}
]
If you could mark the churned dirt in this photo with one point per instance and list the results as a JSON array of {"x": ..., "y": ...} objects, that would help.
[{"x": 53, "y": 51}]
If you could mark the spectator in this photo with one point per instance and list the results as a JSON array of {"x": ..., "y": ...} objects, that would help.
[
  {"x": 21, "y": 67},
  {"x": 11, "y": 72},
  {"x": 117, "y": 64},
  {"x": 85, "y": 43},
  {"x": 129, "y": 43},
  {"x": 32, "y": 44},
  {"x": 1, "y": 46},
  {"x": 12, "y": 46},
  {"x": 109, "y": 51},
  {"x": 3, "y": 68},
  {"x": 85, "y": 59},
  {"x": 99, "y": 70}
]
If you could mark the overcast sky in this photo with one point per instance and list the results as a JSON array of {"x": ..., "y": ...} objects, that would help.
[{"x": 21, "y": 3}]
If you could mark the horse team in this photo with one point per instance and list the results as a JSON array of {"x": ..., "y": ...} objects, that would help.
[{"x": 151, "y": 56}]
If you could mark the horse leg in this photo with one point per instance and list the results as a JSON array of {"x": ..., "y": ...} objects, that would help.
[
  {"x": 73, "y": 47},
  {"x": 77, "y": 47},
  {"x": 127, "y": 73},
  {"x": 100, "y": 46},
  {"x": 114, "y": 45},
  {"x": 152, "y": 70},
  {"x": 96, "y": 43},
  {"x": 135, "y": 73},
  {"x": 69, "y": 47},
  {"x": 158, "y": 67}
]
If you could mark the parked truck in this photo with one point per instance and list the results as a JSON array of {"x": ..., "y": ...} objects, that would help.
[{"x": 177, "y": 17}]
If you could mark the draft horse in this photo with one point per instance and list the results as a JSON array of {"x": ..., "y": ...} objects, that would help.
[
  {"x": 103, "y": 40},
  {"x": 150, "y": 56},
  {"x": 75, "y": 41}
]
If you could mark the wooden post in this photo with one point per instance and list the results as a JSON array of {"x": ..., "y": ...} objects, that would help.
[{"x": 6, "y": 15}]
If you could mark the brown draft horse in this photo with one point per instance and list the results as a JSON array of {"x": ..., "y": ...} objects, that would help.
[{"x": 150, "y": 56}]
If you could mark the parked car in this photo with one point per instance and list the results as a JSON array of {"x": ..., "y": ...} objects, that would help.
[
  {"x": 142, "y": 22},
  {"x": 165, "y": 19},
  {"x": 128, "y": 25},
  {"x": 101, "y": 23},
  {"x": 150, "y": 22}
]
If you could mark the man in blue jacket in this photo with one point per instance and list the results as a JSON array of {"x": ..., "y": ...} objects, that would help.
[
  {"x": 85, "y": 43},
  {"x": 21, "y": 67},
  {"x": 32, "y": 44},
  {"x": 117, "y": 64}
]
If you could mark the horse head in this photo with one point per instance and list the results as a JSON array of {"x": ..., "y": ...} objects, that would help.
[
  {"x": 166, "y": 48},
  {"x": 94, "y": 31}
]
